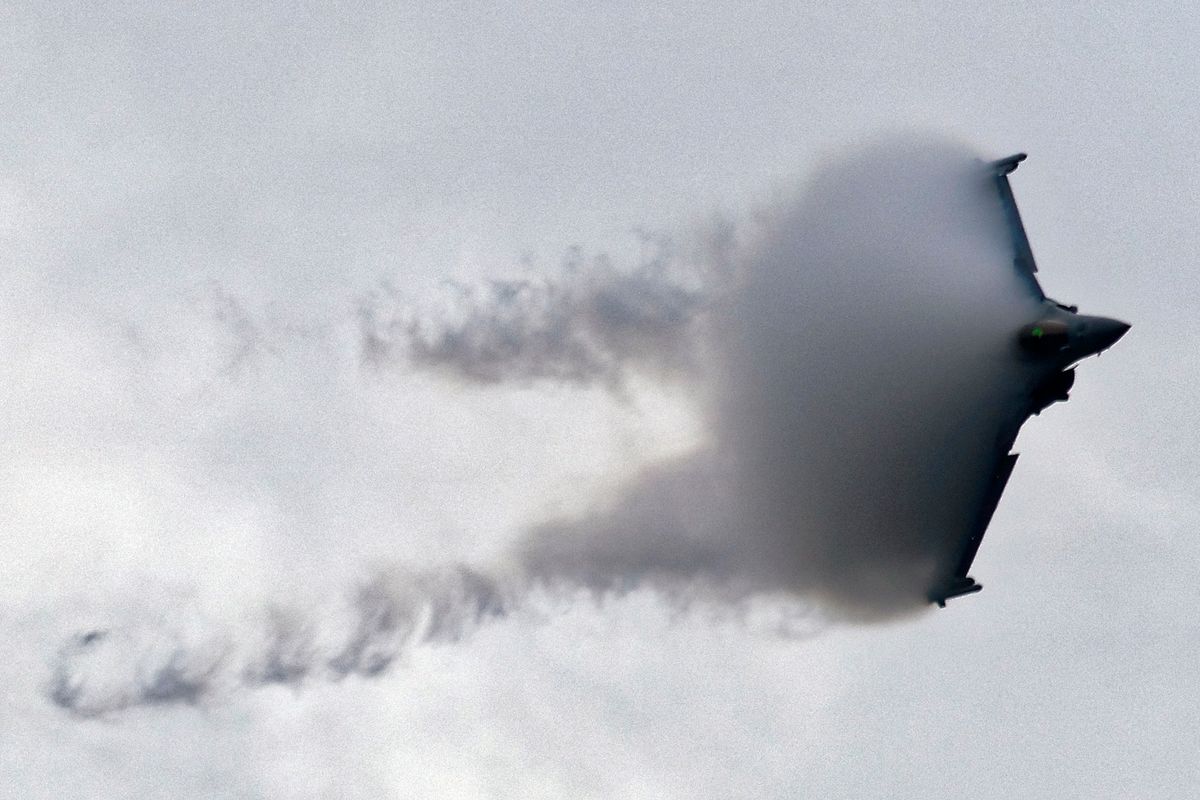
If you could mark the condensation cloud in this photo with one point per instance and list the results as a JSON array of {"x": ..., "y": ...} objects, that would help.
[
  {"x": 858, "y": 362},
  {"x": 847, "y": 351},
  {"x": 161, "y": 656},
  {"x": 586, "y": 323}
]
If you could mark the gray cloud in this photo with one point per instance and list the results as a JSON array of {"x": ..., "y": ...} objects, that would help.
[
  {"x": 857, "y": 355},
  {"x": 587, "y": 322},
  {"x": 432, "y": 606},
  {"x": 846, "y": 357},
  {"x": 145, "y": 663},
  {"x": 104, "y": 671}
]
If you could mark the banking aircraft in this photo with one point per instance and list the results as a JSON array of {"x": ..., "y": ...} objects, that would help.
[{"x": 1049, "y": 345}]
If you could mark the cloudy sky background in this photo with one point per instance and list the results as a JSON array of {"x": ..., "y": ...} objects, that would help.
[{"x": 194, "y": 205}]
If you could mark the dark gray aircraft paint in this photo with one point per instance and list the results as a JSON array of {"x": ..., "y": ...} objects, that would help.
[{"x": 1046, "y": 349}]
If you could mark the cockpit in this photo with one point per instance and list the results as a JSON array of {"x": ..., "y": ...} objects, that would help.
[{"x": 1044, "y": 336}]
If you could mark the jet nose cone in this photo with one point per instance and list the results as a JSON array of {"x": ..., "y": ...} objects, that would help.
[
  {"x": 1108, "y": 331},
  {"x": 1100, "y": 334}
]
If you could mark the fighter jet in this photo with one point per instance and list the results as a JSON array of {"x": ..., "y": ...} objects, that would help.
[{"x": 1047, "y": 346}]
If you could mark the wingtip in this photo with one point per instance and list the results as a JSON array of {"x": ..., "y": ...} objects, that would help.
[
  {"x": 957, "y": 588},
  {"x": 1006, "y": 165}
]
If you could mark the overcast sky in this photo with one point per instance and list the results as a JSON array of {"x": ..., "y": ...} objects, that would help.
[{"x": 198, "y": 203}]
